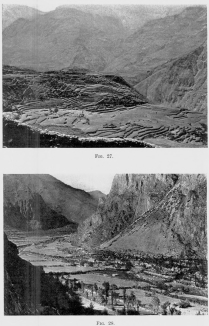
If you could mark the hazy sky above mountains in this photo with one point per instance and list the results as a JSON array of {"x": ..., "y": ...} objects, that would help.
[
  {"x": 88, "y": 182},
  {"x": 46, "y": 5}
]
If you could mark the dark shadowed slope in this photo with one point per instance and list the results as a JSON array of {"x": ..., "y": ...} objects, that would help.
[
  {"x": 181, "y": 82},
  {"x": 11, "y": 13},
  {"x": 30, "y": 291},
  {"x": 154, "y": 214},
  {"x": 42, "y": 202}
]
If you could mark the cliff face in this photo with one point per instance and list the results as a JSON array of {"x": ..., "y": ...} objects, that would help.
[
  {"x": 19, "y": 291},
  {"x": 130, "y": 196},
  {"x": 43, "y": 202},
  {"x": 181, "y": 82},
  {"x": 156, "y": 214}
]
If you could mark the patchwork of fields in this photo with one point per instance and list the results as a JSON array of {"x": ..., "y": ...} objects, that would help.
[
  {"x": 92, "y": 106},
  {"x": 74, "y": 264}
]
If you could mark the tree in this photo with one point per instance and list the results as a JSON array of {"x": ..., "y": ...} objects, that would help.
[
  {"x": 92, "y": 290},
  {"x": 112, "y": 296},
  {"x": 132, "y": 298},
  {"x": 95, "y": 288},
  {"x": 124, "y": 296},
  {"x": 82, "y": 286},
  {"x": 128, "y": 265},
  {"x": 101, "y": 296},
  {"x": 155, "y": 302},
  {"x": 106, "y": 288}
]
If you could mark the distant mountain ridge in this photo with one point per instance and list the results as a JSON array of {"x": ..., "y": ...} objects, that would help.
[
  {"x": 132, "y": 16},
  {"x": 42, "y": 202},
  {"x": 11, "y": 13},
  {"x": 99, "y": 40}
]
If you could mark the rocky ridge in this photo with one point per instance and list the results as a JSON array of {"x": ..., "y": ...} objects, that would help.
[
  {"x": 154, "y": 214},
  {"x": 181, "y": 83}
]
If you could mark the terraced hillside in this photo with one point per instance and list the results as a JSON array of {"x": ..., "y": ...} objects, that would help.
[{"x": 93, "y": 106}]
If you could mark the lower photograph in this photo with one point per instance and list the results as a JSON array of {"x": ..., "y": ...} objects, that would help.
[{"x": 124, "y": 244}]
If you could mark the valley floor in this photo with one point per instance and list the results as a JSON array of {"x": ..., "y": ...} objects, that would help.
[{"x": 81, "y": 269}]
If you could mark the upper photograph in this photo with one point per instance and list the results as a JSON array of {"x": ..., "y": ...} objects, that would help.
[{"x": 104, "y": 76}]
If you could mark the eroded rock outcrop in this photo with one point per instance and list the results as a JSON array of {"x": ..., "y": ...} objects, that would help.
[{"x": 154, "y": 214}]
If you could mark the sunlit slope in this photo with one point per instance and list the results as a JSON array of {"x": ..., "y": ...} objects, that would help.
[{"x": 79, "y": 103}]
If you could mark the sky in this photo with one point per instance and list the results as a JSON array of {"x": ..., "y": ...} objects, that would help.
[
  {"x": 88, "y": 182},
  {"x": 46, "y": 5}
]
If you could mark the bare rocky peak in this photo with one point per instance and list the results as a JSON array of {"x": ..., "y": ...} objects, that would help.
[{"x": 156, "y": 214}]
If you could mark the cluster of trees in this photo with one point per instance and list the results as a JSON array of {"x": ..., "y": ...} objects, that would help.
[{"x": 107, "y": 294}]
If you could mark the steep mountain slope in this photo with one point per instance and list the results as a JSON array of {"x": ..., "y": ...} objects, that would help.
[
  {"x": 154, "y": 214},
  {"x": 129, "y": 195},
  {"x": 160, "y": 40},
  {"x": 11, "y": 13},
  {"x": 181, "y": 82},
  {"x": 29, "y": 291},
  {"x": 43, "y": 202},
  {"x": 61, "y": 38}
]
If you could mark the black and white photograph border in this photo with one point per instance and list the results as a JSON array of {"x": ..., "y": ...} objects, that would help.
[
  {"x": 78, "y": 169},
  {"x": 75, "y": 162},
  {"x": 104, "y": 74},
  {"x": 129, "y": 244}
]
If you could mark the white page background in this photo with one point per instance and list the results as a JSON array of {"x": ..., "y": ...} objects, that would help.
[{"x": 69, "y": 161}]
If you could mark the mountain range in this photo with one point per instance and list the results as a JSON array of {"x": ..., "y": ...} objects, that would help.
[
  {"x": 33, "y": 202},
  {"x": 11, "y": 13},
  {"x": 124, "y": 40},
  {"x": 141, "y": 69},
  {"x": 154, "y": 214}
]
